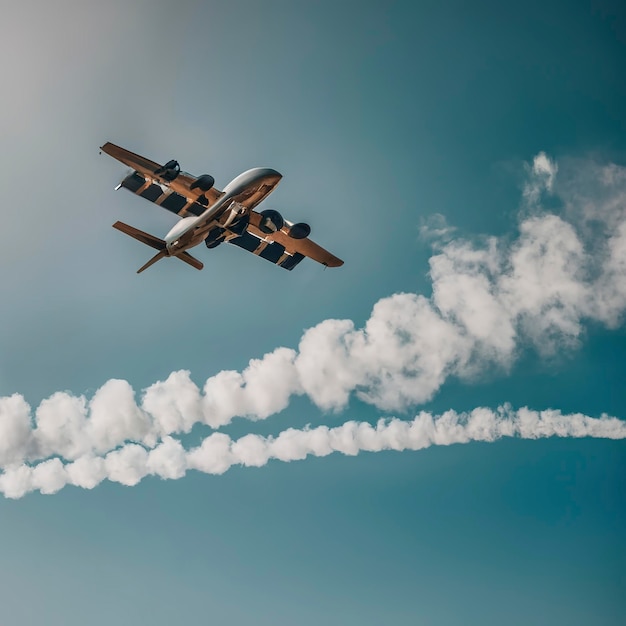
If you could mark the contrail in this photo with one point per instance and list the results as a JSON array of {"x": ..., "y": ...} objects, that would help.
[
  {"x": 218, "y": 452},
  {"x": 491, "y": 299}
]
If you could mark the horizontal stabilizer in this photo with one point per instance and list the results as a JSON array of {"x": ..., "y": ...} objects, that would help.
[
  {"x": 157, "y": 257},
  {"x": 139, "y": 235},
  {"x": 187, "y": 258}
]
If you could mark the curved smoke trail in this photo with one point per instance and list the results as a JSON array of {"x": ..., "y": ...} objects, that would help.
[{"x": 218, "y": 452}]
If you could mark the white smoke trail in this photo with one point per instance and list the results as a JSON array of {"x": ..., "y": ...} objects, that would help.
[
  {"x": 489, "y": 300},
  {"x": 218, "y": 452}
]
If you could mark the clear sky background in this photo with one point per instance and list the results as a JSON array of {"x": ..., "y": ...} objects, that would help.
[{"x": 379, "y": 115}]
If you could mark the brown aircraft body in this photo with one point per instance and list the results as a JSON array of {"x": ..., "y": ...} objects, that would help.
[{"x": 215, "y": 216}]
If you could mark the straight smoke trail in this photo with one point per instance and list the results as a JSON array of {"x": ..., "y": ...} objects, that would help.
[
  {"x": 491, "y": 299},
  {"x": 218, "y": 452}
]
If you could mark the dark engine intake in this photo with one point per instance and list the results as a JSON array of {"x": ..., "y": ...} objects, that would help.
[
  {"x": 271, "y": 221},
  {"x": 169, "y": 171},
  {"x": 299, "y": 230},
  {"x": 204, "y": 182}
]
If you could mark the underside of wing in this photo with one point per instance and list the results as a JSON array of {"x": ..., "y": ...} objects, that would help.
[
  {"x": 162, "y": 195},
  {"x": 269, "y": 250},
  {"x": 181, "y": 194},
  {"x": 291, "y": 246}
]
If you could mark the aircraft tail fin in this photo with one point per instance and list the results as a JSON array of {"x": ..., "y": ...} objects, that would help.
[{"x": 157, "y": 244}]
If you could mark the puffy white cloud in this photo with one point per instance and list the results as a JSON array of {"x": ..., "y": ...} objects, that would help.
[
  {"x": 546, "y": 289},
  {"x": 213, "y": 456},
  {"x": 168, "y": 459},
  {"x": 175, "y": 404},
  {"x": 128, "y": 465},
  {"x": 16, "y": 481},
  {"x": 61, "y": 422},
  {"x": 15, "y": 429},
  {"x": 435, "y": 228},
  {"x": 409, "y": 350},
  {"x": 609, "y": 303},
  {"x": 467, "y": 295},
  {"x": 49, "y": 476},
  {"x": 324, "y": 363},
  {"x": 87, "y": 471},
  {"x": 262, "y": 389},
  {"x": 541, "y": 178},
  {"x": 250, "y": 450},
  {"x": 401, "y": 357},
  {"x": 114, "y": 417},
  {"x": 294, "y": 444}
]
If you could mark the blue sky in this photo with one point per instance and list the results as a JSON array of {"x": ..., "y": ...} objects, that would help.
[{"x": 507, "y": 123}]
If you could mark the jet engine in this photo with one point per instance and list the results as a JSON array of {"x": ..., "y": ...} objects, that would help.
[
  {"x": 169, "y": 171},
  {"x": 204, "y": 182},
  {"x": 271, "y": 221},
  {"x": 298, "y": 231}
]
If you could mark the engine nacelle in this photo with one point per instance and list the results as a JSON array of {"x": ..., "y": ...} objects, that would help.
[
  {"x": 298, "y": 231},
  {"x": 169, "y": 171},
  {"x": 271, "y": 221},
  {"x": 204, "y": 183}
]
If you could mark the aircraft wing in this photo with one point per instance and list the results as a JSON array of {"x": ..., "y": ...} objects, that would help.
[
  {"x": 280, "y": 248},
  {"x": 175, "y": 195}
]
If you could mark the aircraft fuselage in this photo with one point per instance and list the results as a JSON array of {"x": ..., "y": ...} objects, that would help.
[{"x": 241, "y": 195}]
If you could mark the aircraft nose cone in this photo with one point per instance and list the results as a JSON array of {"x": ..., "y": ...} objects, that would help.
[{"x": 253, "y": 179}]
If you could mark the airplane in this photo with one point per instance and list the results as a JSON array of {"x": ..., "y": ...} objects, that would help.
[{"x": 215, "y": 216}]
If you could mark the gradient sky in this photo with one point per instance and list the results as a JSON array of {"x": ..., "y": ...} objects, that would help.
[{"x": 379, "y": 115}]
